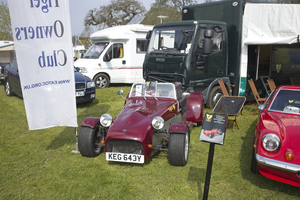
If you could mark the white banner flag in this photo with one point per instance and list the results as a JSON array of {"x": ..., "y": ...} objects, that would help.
[{"x": 43, "y": 44}]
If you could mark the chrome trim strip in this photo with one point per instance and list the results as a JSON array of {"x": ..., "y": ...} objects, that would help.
[{"x": 278, "y": 164}]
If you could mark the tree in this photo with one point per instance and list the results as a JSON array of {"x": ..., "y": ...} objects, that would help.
[
  {"x": 169, "y": 8},
  {"x": 5, "y": 27},
  {"x": 181, "y": 3},
  {"x": 119, "y": 12}
]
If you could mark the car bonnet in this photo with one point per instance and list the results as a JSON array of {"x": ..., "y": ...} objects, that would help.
[
  {"x": 290, "y": 124},
  {"x": 134, "y": 121}
]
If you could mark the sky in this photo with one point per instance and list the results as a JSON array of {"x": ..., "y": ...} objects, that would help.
[{"x": 79, "y": 8}]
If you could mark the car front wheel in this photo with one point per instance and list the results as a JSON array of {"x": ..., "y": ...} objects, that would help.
[
  {"x": 178, "y": 148},
  {"x": 7, "y": 88},
  {"x": 89, "y": 140},
  {"x": 101, "y": 81}
]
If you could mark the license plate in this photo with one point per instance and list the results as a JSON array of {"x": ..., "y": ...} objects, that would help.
[
  {"x": 79, "y": 94},
  {"x": 124, "y": 157}
]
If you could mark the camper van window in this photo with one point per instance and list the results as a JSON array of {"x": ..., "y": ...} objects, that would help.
[
  {"x": 95, "y": 51},
  {"x": 141, "y": 45},
  {"x": 116, "y": 51}
]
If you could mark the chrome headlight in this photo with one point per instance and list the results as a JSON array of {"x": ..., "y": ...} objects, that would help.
[
  {"x": 158, "y": 122},
  {"x": 106, "y": 120},
  {"x": 270, "y": 142},
  {"x": 83, "y": 69},
  {"x": 90, "y": 84}
]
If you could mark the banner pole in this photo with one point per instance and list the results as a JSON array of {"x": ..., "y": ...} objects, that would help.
[{"x": 76, "y": 135}]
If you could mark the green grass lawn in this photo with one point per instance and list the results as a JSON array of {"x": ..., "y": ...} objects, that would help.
[{"x": 39, "y": 164}]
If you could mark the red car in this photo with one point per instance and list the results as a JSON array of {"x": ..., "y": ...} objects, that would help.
[
  {"x": 212, "y": 133},
  {"x": 157, "y": 116},
  {"x": 276, "y": 150}
]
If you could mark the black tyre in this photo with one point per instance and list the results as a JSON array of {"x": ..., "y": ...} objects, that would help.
[
  {"x": 254, "y": 168},
  {"x": 178, "y": 151},
  {"x": 211, "y": 135},
  {"x": 8, "y": 88},
  {"x": 101, "y": 81},
  {"x": 89, "y": 140},
  {"x": 214, "y": 96}
]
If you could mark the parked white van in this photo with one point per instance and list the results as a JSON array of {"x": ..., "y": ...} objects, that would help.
[
  {"x": 78, "y": 52},
  {"x": 116, "y": 56}
]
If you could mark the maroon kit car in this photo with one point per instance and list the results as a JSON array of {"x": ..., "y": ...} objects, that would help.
[
  {"x": 276, "y": 151},
  {"x": 157, "y": 116}
]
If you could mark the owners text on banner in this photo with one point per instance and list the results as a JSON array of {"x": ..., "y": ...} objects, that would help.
[{"x": 43, "y": 44}]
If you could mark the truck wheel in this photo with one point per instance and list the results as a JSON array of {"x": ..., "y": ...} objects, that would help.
[
  {"x": 213, "y": 97},
  {"x": 88, "y": 141},
  {"x": 101, "y": 81},
  {"x": 7, "y": 88},
  {"x": 254, "y": 168},
  {"x": 178, "y": 149}
]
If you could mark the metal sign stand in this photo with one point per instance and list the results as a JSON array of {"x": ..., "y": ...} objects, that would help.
[
  {"x": 208, "y": 170},
  {"x": 213, "y": 131},
  {"x": 76, "y": 135}
]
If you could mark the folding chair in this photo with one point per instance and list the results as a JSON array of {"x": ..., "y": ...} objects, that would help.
[
  {"x": 224, "y": 90},
  {"x": 223, "y": 87},
  {"x": 258, "y": 100},
  {"x": 272, "y": 85},
  {"x": 230, "y": 106}
]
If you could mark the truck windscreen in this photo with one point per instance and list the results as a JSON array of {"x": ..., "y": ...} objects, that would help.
[{"x": 174, "y": 40}]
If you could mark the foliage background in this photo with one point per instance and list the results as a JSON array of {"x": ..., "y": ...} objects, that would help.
[{"x": 39, "y": 164}]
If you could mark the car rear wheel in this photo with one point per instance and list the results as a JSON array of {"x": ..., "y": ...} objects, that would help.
[
  {"x": 178, "y": 148},
  {"x": 8, "y": 88},
  {"x": 254, "y": 168},
  {"x": 89, "y": 140},
  {"x": 101, "y": 81}
]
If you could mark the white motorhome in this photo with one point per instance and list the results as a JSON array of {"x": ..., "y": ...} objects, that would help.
[
  {"x": 78, "y": 52},
  {"x": 116, "y": 56}
]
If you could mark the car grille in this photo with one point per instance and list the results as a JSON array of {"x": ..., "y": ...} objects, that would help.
[
  {"x": 80, "y": 86},
  {"x": 125, "y": 146}
]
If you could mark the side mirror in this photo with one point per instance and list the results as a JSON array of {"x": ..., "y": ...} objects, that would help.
[
  {"x": 208, "y": 42},
  {"x": 148, "y": 36},
  {"x": 120, "y": 92},
  {"x": 106, "y": 58},
  {"x": 186, "y": 95}
]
